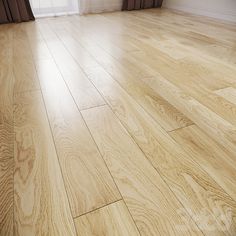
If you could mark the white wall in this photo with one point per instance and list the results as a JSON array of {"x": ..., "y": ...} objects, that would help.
[{"x": 221, "y": 9}]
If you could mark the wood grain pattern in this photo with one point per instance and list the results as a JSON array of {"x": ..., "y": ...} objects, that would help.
[
  {"x": 87, "y": 179},
  {"x": 158, "y": 71},
  {"x": 204, "y": 69},
  {"x": 175, "y": 166},
  {"x": 113, "y": 219},
  {"x": 228, "y": 93},
  {"x": 41, "y": 204},
  {"x": 184, "y": 74},
  {"x": 6, "y": 132},
  {"x": 211, "y": 100},
  {"x": 145, "y": 193},
  {"x": 212, "y": 157},
  {"x": 221, "y": 106},
  {"x": 128, "y": 76},
  {"x": 220, "y": 130}
]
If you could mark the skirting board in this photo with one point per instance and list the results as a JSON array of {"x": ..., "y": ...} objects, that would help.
[
  {"x": 230, "y": 16},
  {"x": 56, "y": 14}
]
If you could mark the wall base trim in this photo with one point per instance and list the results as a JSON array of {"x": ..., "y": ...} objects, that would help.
[{"x": 230, "y": 16}]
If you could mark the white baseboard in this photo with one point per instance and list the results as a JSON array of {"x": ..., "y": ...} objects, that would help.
[
  {"x": 56, "y": 14},
  {"x": 228, "y": 16}
]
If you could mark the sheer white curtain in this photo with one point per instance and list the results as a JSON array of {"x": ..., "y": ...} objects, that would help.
[
  {"x": 94, "y": 6},
  {"x": 54, "y": 7},
  {"x": 62, "y": 7}
]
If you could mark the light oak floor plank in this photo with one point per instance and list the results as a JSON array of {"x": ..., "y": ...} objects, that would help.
[
  {"x": 83, "y": 91},
  {"x": 220, "y": 130},
  {"x": 170, "y": 56},
  {"x": 23, "y": 65},
  {"x": 213, "y": 158},
  {"x": 128, "y": 76},
  {"x": 87, "y": 190},
  {"x": 175, "y": 166},
  {"x": 184, "y": 77},
  {"x": 169, "y": 78},
  {"x": 228, "y": 93},
  {"x": 145, "y": 193},
  {"x": 36, "y": 41},
  {"x": 113, "y": 219},
  {"x": 6, "y": 132},
  {"x": 87, "y": 179},
  {"x": 41, "y": 204}
]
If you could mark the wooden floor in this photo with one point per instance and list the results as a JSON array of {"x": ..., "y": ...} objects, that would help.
[{"x": 118, "y": 124}]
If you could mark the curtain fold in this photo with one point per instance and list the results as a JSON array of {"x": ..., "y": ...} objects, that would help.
[
  {"x": 15, "y": 11},
  {"x": 140, "y": 4}
]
